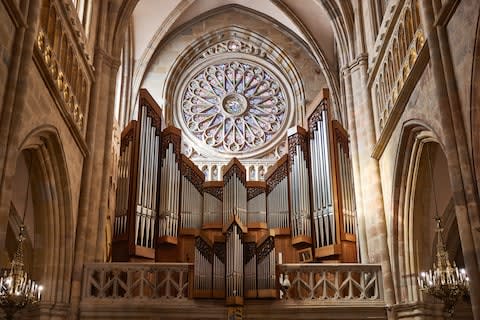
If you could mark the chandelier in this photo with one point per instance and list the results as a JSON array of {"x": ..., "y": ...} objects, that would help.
[
  {"x": 17, "y": 290},
  {"x": 444, "y": 281}
]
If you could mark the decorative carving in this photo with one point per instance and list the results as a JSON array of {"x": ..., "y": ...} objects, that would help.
[
  {"x": 204, "y": 249},
  {"x": 299, "y": 138},
  {"x": 316, "y": 117},
  {"x": 127, "y": 136},
  {"x": 253, "y": 192},
  {"x": 217, "y": 192},
  {"x": 264, "y": 249},
  {"x": 249, "y": 251},
  {"x": 277, "y": 176},
  {"x": 234, "y": 106},
  {"x": 171, "y": 135},
  {"x": 192, "y": 173},
  {"x": 219, "y": 251},
  {"x": 234, "y": 45},
  {"x": 238, "y": 169}
]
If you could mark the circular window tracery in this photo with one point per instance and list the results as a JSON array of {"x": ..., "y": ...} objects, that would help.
[{"x": 234, "y": 106}]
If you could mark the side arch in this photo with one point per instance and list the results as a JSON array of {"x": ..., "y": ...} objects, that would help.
[
  {"x": 52, "y": 215},
  {"x": 414, "y": 201}
]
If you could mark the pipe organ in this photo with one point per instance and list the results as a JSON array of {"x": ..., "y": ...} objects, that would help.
[
  {"x": 233, "y": 229},
  {"x": 136, "y": 200},
  {"x": 234, "y": 194},
  {"x": 191, "y": 207},
  {"x": 277, "y": 197},
  {"x": 256, "y": 205},
  {"x": 299, "y": 186},
  {"x": 169, "y": 186},
  {"x": 333, "y": 201}
]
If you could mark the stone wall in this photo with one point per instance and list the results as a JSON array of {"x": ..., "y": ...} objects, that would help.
[{"x": 168, "y": 51}]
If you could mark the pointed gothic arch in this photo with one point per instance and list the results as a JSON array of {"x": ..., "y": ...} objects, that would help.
[
  {"x": 53, "y": 219},
  {"x": 418, "y": 186}
]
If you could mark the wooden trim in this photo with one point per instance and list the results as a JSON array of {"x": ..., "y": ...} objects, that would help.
[
  {"x": 144, "y": 252},
  {"x": 167, "y": 239},
  {"x": 275, "y": 166},
  {"x": 328, "y": 251},
  {"x": 257, "y": 225},
  {"x": 267, "y": 293},
  {"x": 234, "y": 301},
  {"x": 281, "y": 231},
  {"x": 301, "y": 240}
]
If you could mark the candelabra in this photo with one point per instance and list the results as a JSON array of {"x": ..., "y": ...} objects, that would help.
[
  {"x": 445, "y": 282},
  {"x": 16, "y": 289}
]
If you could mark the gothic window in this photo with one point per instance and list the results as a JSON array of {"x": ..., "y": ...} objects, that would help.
[{"x": 234, "y": 106}]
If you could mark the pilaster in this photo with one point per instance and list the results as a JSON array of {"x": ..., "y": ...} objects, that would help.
[{"x": 375, "y": 222}]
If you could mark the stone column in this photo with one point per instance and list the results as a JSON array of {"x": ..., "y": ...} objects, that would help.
[
  {"x": 466, "y": 205},
  {"x": 98, "y": 137},
  {"x": 12, "y": 112},
  {"x": 376, "y": 228},
  {"x": 352, "y": 130},
  {"x": 107, "y": 159}
]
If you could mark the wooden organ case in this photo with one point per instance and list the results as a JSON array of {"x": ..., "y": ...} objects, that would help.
[
  {"x": 235, "y": 231},
  {"x": 136, "y": 196}
]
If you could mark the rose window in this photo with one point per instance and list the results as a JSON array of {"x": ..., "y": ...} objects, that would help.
[{"x": 234, "y": 107}]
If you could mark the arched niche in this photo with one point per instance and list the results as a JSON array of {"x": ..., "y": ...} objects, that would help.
[
  {"x": 48, "y": 219},
  {"x": 421, "y": 191}
]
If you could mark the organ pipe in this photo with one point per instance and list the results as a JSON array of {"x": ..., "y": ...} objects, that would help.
[
  {"x": 212, "y": 204},
  {"x": 219, "y": 260},
  {"x": 203, "y": 267},
  {"x": 234, "y": 265},
  {"x": 234, "y": 194},
  {"x": 333, "y": 200},
  {"x": 169, "y": 186},
  {"x": 136, "y": 203},
  {"x": 256, "y": 204},
  {"x": 191, "y": 196},
  {"x": 322, "y": 190},
  {"x": 266, "y": 276},
  {"x": 299, "y": 186},
  {"x": 277, "y": 196}
]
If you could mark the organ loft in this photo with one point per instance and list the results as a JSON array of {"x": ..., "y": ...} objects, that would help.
[
  {"x": 240, "y": 159},
  {"x": 235, "y": 230}
]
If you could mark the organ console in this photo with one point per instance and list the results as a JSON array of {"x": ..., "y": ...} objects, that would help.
[{"x": 233, "y": 229}]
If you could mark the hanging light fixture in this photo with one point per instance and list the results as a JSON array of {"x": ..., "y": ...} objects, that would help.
[
  {"x": 17, "y": 290},
  {"x": 445, "y": 281}
]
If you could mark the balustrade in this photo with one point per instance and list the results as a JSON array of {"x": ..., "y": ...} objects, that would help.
[
  {"x": 325, "y": 283},
  {"x": 136, "y": 280},
  {"x": 61, "y": 48},
  {"x": 397, "y": 61}
]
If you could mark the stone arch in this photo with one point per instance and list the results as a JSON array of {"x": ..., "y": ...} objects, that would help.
[
  {"x": 406, "y": 189},
  {"x": 475, "y": 106},
  {"x": 52, "y": 214}
]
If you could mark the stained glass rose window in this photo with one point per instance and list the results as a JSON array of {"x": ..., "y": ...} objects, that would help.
[{"x": 234, "y": 106}]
